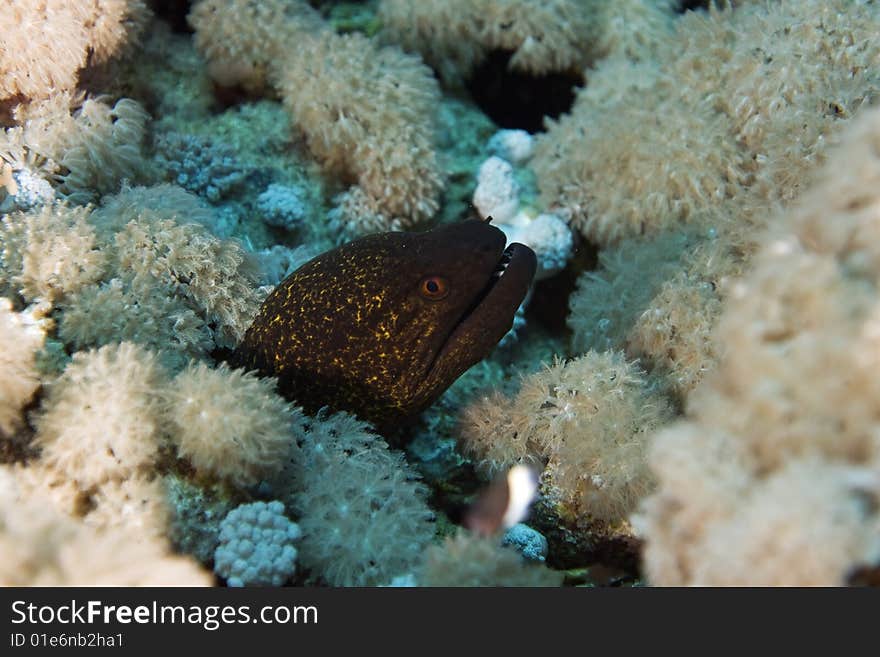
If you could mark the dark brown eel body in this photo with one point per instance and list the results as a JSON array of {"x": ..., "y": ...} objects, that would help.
[{"x": 381, "y": 326}]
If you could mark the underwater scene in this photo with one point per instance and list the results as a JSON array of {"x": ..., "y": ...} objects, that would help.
[{"x": 439, "y": 293}]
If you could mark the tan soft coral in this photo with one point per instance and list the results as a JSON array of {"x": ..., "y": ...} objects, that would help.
[
  {"x": 741, "y": 108},
  {"x": 245, "y": 41},
  {"x": 84, "y": 147},
  {"x": 791, "y": 413},
  {"x": 652, "y": 161},
  {"x": 632, "y": 29},
  {"x": 786, "y": 74},
  {"x": 367, "y": 112},
  {"x": 49, "y": 254},
  {"x": 455, "y": 36},
  {"x": 47, "y": 42},
  {"x": 229, "y": 424},
  {"x": 589, "y": 420},
  {"x": 43, "y": 547},
  {"x": 169, "y": 285},
  {"x": 21, "y": 336},
  {"x": 659, "y": 300},
  {"x": 102, "y": 420}
]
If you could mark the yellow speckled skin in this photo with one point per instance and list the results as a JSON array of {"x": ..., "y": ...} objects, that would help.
[{"x": 354, "y": 330}]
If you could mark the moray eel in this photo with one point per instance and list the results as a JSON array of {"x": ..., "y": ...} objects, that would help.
[{"x": 381, "y": 326}]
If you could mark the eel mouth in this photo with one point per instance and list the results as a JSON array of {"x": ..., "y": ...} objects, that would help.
[{"x": 491, "y": 313}]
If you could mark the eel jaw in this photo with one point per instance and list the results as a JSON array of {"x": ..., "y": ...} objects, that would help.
[{"x": 488, "y": 318}]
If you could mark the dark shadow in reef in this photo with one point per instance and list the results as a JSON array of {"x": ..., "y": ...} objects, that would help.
[
  {"x": 692, "y": 5},
  {"x": 174, "y": 13},
  {"x": 549, "y": 304},
  {"x": 513, "y": 99}
]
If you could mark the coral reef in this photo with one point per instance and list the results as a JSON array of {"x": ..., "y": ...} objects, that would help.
[
  {"x": 41, "y": 547},
  {"x": 131, "y": 272},
  {"x": 49, "y": 254},
  {"x": 20, "y": 339},
  {"x": 455, "y": 36},
  {"x": 693, "y": 371},
  {"x": 658, "y": 299},
  {"x": 589, "y": 420},
  {"x": 673, "y": 144},
  {"x": 366, "y": 111},
  {"x": 773, "y": 477},
  {"x": 84, "y": 147},
  {"x": 93, "y": 444}
]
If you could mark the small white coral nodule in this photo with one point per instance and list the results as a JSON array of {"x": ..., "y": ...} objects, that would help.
[{"x": 497, "y": 193}]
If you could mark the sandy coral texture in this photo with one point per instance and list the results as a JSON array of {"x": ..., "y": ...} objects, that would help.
[{"x": 773, "y": 478}]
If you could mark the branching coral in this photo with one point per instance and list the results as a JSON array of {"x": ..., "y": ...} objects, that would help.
[
  {"x": 589, "y": 419},
  {"x": 773, "y": 479},
  {"x": 363, "y": 511},
  {"x": 199, "y": 165},
  {"x": 47, "y": 42},
  {"x": 256, "y": 545}
]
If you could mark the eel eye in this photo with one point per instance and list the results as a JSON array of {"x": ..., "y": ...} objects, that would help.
[{"x": 434, "y": 287}]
